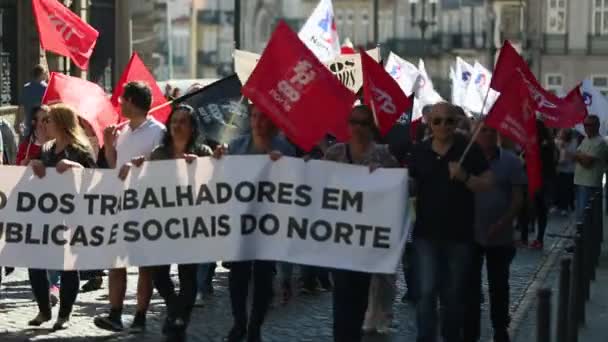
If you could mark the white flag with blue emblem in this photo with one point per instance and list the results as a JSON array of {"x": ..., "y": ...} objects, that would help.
[
  {"x": 320, "y": 33},
  {"x": 405, "y": 73},
  {"x": 597, "y": 104},
  {"x": 425, "y": 92},
  {"x": 477, "y": 90},
  {"x": 460, "y": 81}
]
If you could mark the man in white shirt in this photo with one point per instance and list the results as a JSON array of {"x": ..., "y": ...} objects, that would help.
[{"x": 138, "y": 138}]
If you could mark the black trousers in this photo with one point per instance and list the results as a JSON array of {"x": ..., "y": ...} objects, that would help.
[
  {"x": 351, "y": 293},
  {"x": 565, "y": 191},
  {"x": 178, "y": 306},
  {"x": 238, "y": 283},
  {"x": 539, "y": 214},
  {"x": 313, "y": 276},
  {"x": 67, "y": 292},
  {"x": 498, "y": 262}
]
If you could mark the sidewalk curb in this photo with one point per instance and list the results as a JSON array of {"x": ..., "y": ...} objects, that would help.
[{"x": 529, "y": 296}]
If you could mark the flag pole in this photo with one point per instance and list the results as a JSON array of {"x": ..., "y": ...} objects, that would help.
[
  {"x": 154, "y": 109},
  {"x": 476, "y": 133},
  {"x": 240, "y": 104}
]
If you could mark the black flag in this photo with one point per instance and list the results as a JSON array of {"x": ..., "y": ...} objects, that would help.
[{"x": 222, "y": 111}]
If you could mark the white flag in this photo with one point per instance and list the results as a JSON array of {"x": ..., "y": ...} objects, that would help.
[
  {"x": 597, "y": 104},
  {"x": 347, "y": 68},
  {"x": 425, "y": 92},
  {"x": 477, "y": 89},
  {"x": 460, "y": 81},
  {"x": 320, "y": 34},
  {"x": 405, "y": 73}
]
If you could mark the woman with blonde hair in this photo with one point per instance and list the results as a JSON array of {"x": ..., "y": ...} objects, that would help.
[{"x": 69, "y": 148}]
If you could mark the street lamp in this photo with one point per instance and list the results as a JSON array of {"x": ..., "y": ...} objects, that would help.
[{"x": 422, "y": 23}]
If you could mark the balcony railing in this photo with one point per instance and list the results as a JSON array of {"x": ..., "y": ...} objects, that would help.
[
  {"x": 414, "y": 47},
  {"x": 597, "y": 45},
  {"x": 451, "y": 41},
  {"x": 555, "y": 44}
]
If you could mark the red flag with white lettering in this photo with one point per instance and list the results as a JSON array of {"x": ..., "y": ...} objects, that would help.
[
  {"x": 87, "y": 98},
  {"x": 63, "y": 32},
  {"x": 557, "y": 112},
  {"x": 137, "y": 71},
  {"x": 299, "y": 94},
  {"x": 513, "y": 116},
  {"x": 383, "y": 94}
]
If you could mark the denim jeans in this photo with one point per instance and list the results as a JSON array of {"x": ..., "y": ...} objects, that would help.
[
  {"x": 442, "y": 270},
  {"x": 583, "y": 194}
]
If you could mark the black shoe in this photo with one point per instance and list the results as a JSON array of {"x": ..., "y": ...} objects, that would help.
[
  {"x": 236, "y": 334},
  {"x": 254, "y": 335},
  {"x": 61, "y": 323},
  {"x": 501, "y": 336},
  {"x": 407, "y": 297},
  {"x": 92, "y": 285},
  {"x": 39, "y": 319},
  {"x": 110, "y": 322},
  {"x": 139, "y": 324}
]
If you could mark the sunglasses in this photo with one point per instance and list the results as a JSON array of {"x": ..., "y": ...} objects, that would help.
[
  {"x": 444, "y": 121},
  {"x": 364, "y": 123}
]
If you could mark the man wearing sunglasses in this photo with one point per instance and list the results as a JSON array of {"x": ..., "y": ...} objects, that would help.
[
  {"x": 443, "y": 232},
  {"x": 590, "y": 165}
]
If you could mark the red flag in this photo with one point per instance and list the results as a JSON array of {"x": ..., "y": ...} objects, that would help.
[
  {"x": 299, "y": 94},
  {"x": 382, "y": 93},
  {"x": 137, "y": 71},
  {"x": 87, "y": 98},
  {"x": 557, "y": 112},
  {"x": 63, "y": 32},
  {"x": 513, "y": 116}
]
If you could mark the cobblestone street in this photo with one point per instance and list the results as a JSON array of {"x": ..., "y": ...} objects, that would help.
[{"x": 304, "y": 319}]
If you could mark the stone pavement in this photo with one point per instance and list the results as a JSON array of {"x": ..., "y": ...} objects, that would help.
[
  {"x": 305, "y": 319},
  {"x": 595, "y": 329}
]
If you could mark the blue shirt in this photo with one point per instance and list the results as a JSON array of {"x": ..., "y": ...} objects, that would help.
[
  {"x": 491, "y": 206},
  {"x": 243, "y": 145}
]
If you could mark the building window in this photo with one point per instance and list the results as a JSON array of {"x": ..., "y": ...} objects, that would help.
[
  {"x": 600, "y": 82},
  {"x": 556, "y": 16},
  {"x": 554, "y": 83},
  {"x": 600, "y": 17}
]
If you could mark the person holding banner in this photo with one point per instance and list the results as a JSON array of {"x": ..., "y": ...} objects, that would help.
[
  {"x": 31, "y": 147},
  {"x": 180, "y": 141},
  {"x": 445, "y": 180},
  {"x": 68, "y": 149},
  {"x": 263, "y": 139},
  {"x": 138, "y": 138},
  {"x": 352, "y": 290}
]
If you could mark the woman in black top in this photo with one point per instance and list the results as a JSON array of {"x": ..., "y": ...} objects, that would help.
[
  {"x": 68, "y": 149},
  {"x": 180, "y": 141}
]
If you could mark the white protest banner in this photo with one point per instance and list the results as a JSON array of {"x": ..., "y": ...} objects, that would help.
[
  {"x": 347, "y": 68},
  {"x": 237, "y": 208}
]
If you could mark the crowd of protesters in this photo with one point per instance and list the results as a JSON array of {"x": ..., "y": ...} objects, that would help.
[{"x": 481, "y": 195}]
